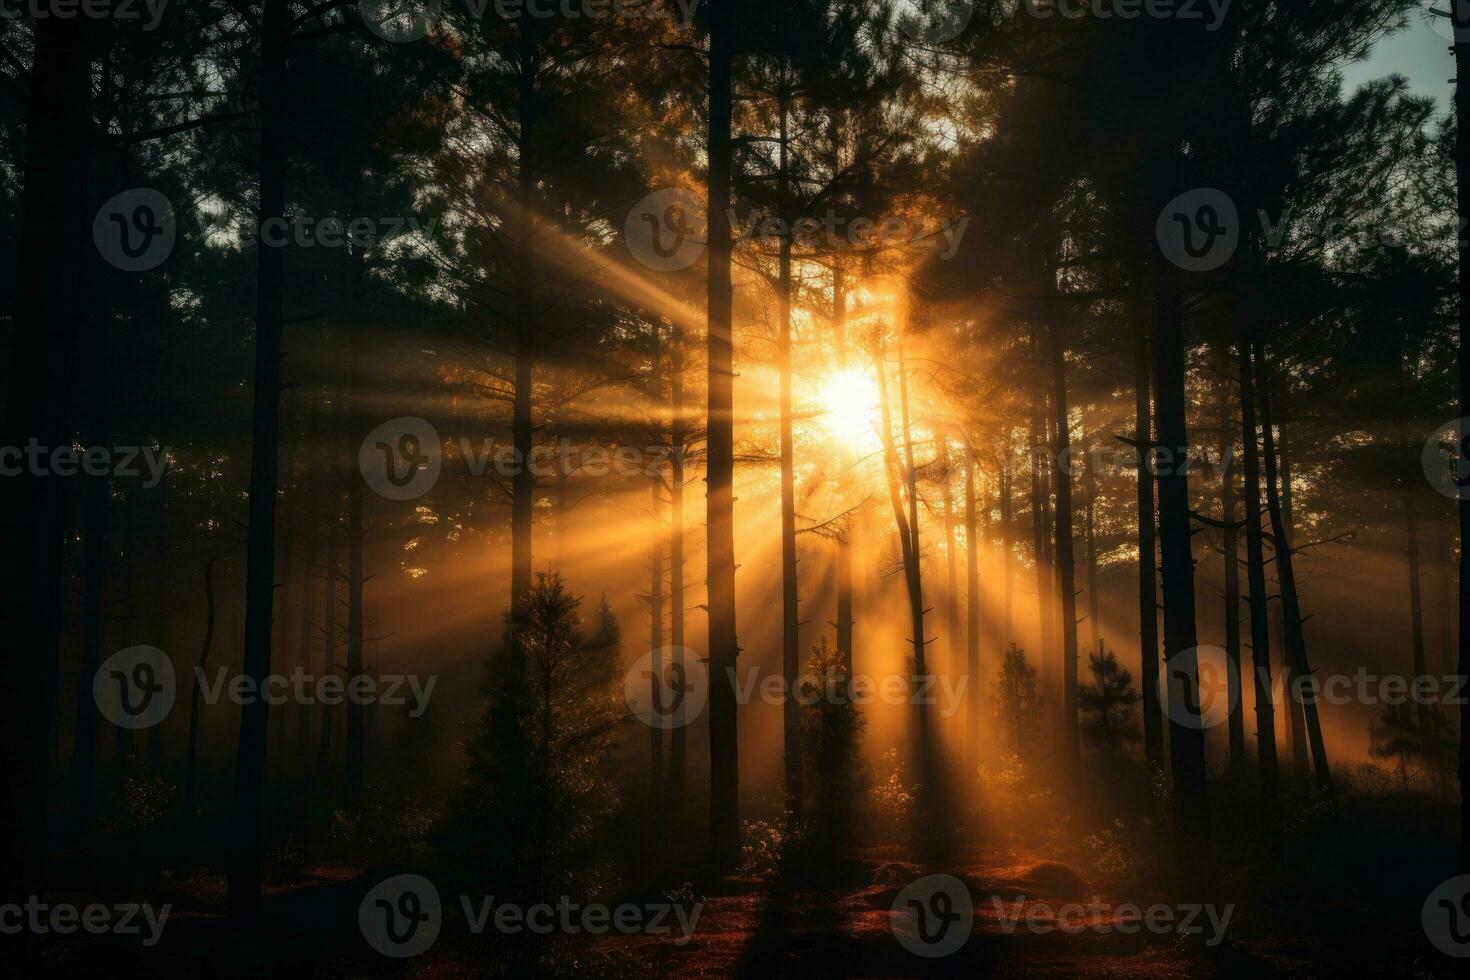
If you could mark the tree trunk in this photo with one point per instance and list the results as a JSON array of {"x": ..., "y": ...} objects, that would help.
[
  {"x": 1186, "y": 740},
  {"x": 677, "y": 601},
  {"x": 724, "y": 646},
  {"x": 1460, "y": 15},
  {"x": 1230, "y": 548},
  {"x": 191, "y": 765},
  {"x": 1148, "y": 583},
  {"x": 790, "y": 596},
  {"x": 1066, "y": 577},
  {"x": 1296, "y": 645},
  {"x": 844, "y": 625},
  {"x": 523, "y": 479},
  {"x": 1256, "y": 582},
  {"x": 1416, "y": 600},
  {"x": 40, "y": 378},
  {"x": 1007, "y": 549},
  {"x": 951, "y": 562},
  {"x": 656, "y": 590},
  {"x": 1295, "y": 710},
  {"x": 972, "y": 616},
  {"x": 1091, "y": 540},
  {"x": 244, "y": 873}
]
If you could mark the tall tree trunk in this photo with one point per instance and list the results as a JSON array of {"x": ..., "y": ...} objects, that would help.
[
  {"x": 1066, "y": 578},
  {"x": 1295, "y": 710},
  {"x": 679, "y": 437},
  {"x": 972, "y": 615},
  {"x": 724, "y": 646},
  {"x": 191, "y": 764},
  {"x": 1416, "y": 600},
  {"x": 1296, "y": 645},
  {"x": 1186, "y": 741},
  {"x": 53, "y": 228},
  {"x": 907, "y": 540},
  {"x": 523, "y": 479},
  {"x": 951, "y": 561},
  {"x": 1148, "y": 582},
  {"x": 790, "y": 596},
  {"x": 1007, "y": 550},
  {"x": 1256, "y": 581},
  {"x": 1091, "y": 540},
  {"x": 1460, "y": 15},
  {"x": 656, "y": 589},
  {"x": 844, "y": 625},
  {"x": 244, "y": 872},
  {"x": 1230, "y": 548}
]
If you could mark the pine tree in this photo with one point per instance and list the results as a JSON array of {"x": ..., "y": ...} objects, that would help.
[{"x": 1108, "y": 722}]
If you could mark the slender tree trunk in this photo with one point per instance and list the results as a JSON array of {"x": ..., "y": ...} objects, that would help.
[
  {"x": 523, "y": 479},
  {"x": 1460, "y": 15},
  {"x": 790, "y": 595},
  {"x": 656, "y": 590},
  {"x": 1230, "y": 547},
  {"x": 1296, "y": 645},
  {"x": 1256, "y": 582},
  {"x": 720, "y": 529},
  {"x": 191, "y": 764},
  {"x": 844, "y": 625},
  {"x": 244, "y": 874},
  {"x": 1091, "y": 532},
  {"x": 1295, "y": 710},
  {"x": 1007, "y": 548},
  {"x": 1148, "y": 583},
  {"x": 951, "y": 561},
  {"x": 972, "y": 615},
  {"x": 53, "y": 228},
  {"x": 1066, "y": 578},
  {"x": 1186, "y": 740},
  {"x": 679, "y": 437},
  {"x": 1416, "y": 600}
]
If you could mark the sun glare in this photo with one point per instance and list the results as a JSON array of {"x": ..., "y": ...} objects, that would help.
[{"x": 850, "y": 407}]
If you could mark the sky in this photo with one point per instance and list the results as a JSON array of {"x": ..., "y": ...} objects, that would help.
[{"x": 1418, "y": 52}]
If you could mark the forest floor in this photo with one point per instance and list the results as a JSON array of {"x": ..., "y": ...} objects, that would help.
[{"x": 761, "y": 926}]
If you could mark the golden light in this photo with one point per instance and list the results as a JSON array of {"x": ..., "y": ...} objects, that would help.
[{"x": 850, "y": 406}]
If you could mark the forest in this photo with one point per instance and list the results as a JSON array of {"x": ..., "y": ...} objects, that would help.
[{"x": 735, "y": 488}]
